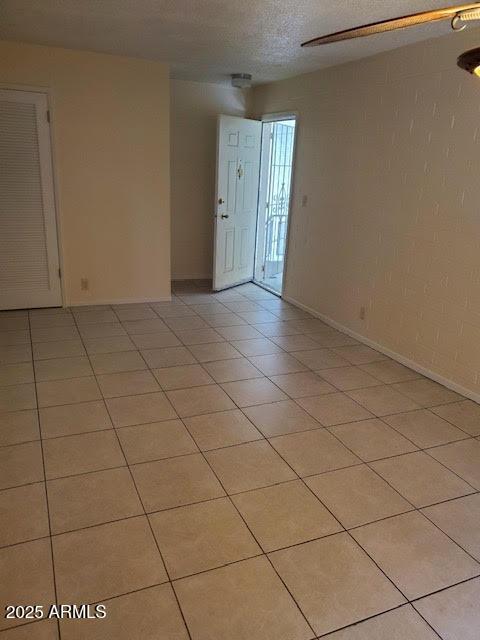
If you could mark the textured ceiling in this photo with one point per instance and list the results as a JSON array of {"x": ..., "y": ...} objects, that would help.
[{"x": 206, "y": 40}]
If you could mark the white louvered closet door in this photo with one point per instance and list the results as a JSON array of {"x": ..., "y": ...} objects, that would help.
[{"x": 29, "y": 266}]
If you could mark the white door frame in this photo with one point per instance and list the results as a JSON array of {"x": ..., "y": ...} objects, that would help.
[
  {"x": 276, "y": 117},
  {"x": 47, "y": 92}
]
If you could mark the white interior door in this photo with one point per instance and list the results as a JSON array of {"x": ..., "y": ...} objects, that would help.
[
  {"x": 29, "y": 264},
  {"x": 238, "y": 161}
]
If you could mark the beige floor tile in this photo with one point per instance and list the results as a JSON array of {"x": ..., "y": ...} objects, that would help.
[
  {"x": 134, "y": 312},
  {"x": 20, "y": 464},
  {"x": 187, "y": 323},
  {"x": 348, "y": 378},
  {"x": 21, "y": 336},
  {"x": 284, "y": 515},
  {"x": 389, "y": 371},
  {"x": 102, "y": 330},
  {"x": 149, "y": 614},
  {"x": 334, "y": 408},
  {"x": 459, "y": 519},
  {"x": 332, "y": 339},
  {"x": 276, "y": 329},
  {"x": 140, "y": 327},
  {"x": 127, "y": 383},
  {"x": 53, "y": 334},
  {"x": 357, "y": 495},
  {"x": 278, "y": 418},
  {"x": 319, "y": 359},
  {"x": 71, "y": 455},
  {"x": 403, "y": 623},
  {"x": 168, "y": 357},
  {"x": 309, "y": 325},
  {"x": 209, "y": 308},
  {"x": 18, "y": 426},
  {"x": 24, "y": 514},
  {"x": 239, "y": 332},
  {"x": 106, "y": 560},
  {"x": 91, "y": 499},
  {"x": 182, "y": 377},
  {"x": 201, "y": 537},
  {"x": 298, "y": 342},
  {"x": 465, "y": 415},
  {"x": 198, "y": 400},
  {"x": 256, "y": 347},
  {"x": 461, "y": 457},
  {"x": 10, "y": 354},
  {"x": 58, "y": 392},
  {"x": 13, "y": 322},
  {"x": 161, "y": 340},
  {"x": 232, "y": 370},
  {"x": 199, "y": 336},
  {"x": 62, "y": 368},
  {"x": 424, "y": 428},
  {"x": 154, "y": 441},
  {"x": 240, "y": 601},
  {"x": 17, "y": 397},
  {"x": 175, "y": 482},
  {"x": 359, "y": 354},
  {"x": 248, "y": 466},
  {"x": 415, "y": 554},
  {"x": 277, "y": 363},
  {"x": 303, "y": 384},
  {"x": 334, "y": 582},
  {"x": 427, "y": 393},
  {"x": 454, "y": 613},
  {"x": 313, "y": 452},
  {"x": 223, "y": 320},
  {"x": 383, "y": 400},
  {"x": 214, "y": 351},
  {"x": 109, "y": 345},
  {"x": 117, "y": 362},
  {"x": 221, "y": 429},
  {"x": 42, "y": 630},
  {"x": 420, "y": 479},
  {"x": 372, "y": 439},
  {"x": 62, "y": 349},
  {"x": 17, "y": 373},
  {"x": 246, "y": 393},
  {"x": 27, "y": 577},
  {"x": 253, "y": 317},
  {"x": 72, "y": 419},
  {"x": 95, "y": 314},
  {"x": 131, "y": 410}
]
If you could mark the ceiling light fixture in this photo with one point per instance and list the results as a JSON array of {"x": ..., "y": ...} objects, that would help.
[
  {"x": 241, "y": 80},
  {"x": 470, "y": 61}
]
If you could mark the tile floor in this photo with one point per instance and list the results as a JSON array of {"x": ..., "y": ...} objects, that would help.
[{"x": 224, "y": 466}]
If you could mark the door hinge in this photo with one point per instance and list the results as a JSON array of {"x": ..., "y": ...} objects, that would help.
[
  {"x": 48, "y": 115},
  {"x": 59, "y": 273}
]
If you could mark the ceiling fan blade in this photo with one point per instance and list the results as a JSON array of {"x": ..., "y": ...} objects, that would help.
[{"x": 393, "y": 24}]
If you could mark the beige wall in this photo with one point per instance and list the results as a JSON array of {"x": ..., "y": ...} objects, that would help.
[
  {"x": 111, "y": 148},
  {"x": 389, "y": 156},
  {"x": 194, "y": 110}
]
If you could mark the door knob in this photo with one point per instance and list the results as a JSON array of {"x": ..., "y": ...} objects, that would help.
[
  {"x": 221, "y": 201},
  {"x": 224, "y": 215}
]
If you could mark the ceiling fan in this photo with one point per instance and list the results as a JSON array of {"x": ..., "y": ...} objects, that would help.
[{"x": 458, "y": 15}]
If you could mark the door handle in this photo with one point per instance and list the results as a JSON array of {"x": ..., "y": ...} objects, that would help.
[{"x": 224, "y": 215}]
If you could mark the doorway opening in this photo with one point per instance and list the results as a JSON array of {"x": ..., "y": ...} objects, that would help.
[{"x": 276, "y": 172}]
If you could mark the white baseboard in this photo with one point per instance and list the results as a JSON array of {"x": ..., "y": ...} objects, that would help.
[
  {"x": 85, "y": 303},
  {"x": 411, "y": 364}
]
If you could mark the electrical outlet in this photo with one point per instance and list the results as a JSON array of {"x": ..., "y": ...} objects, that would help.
[
  {"x": 304, "y": 201},
  {"x": 84, "y": 284},
  {"x": 362, "y": 313}
]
